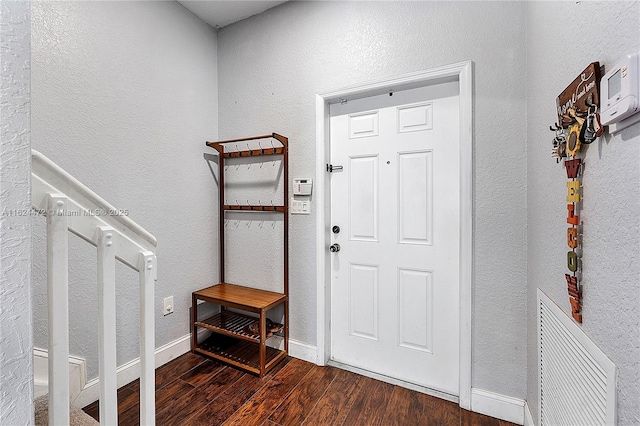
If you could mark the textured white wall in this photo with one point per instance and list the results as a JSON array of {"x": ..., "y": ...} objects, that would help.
[
  {"x": 16, "y": 347},
  {"x": 562, "y": 39},
  {"x": 124, "y": 97},
  {"x": 269, "y": 68}
]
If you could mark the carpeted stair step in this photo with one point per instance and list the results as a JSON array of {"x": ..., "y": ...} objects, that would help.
[{"x": 77, "y": 417}]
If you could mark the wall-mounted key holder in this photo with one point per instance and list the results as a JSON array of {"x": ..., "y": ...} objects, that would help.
[
  {"x": 578, "y": 112},
  {"x": 583, "y": 92},
  {"x": 578, "y": 125}
]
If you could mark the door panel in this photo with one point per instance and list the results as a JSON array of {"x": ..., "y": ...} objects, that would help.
[
  {"x": 413, "y": 118},
  {"x": 363, "y": 125},
  {"x": 363, "y": 301},
  {"x": 395, "y": 281},
  {"x": 363, "y": 198},
  {"x": 415, "y": 308},
  {"x": 415, "y": 197}
]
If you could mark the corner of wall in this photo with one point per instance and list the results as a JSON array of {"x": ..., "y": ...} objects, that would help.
[{"x": 16, "y": 363}]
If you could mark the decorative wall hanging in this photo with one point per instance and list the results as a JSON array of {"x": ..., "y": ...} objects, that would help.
[{"x": 578, "y": 125}]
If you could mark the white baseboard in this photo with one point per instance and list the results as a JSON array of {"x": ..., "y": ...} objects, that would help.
[
  {"x": 297, "y": 349},
  {"x": 130, "y": 371},
  {"x": 77, "y": 374},
  {"x": 302, "y": 351},
  {"x": 499, "y": 406},
  {"x": 40, "y": 367},
  {"x": 528, "y": 418}
]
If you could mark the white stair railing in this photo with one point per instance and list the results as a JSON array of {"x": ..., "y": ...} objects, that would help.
[{"x": 71, "y": 206}]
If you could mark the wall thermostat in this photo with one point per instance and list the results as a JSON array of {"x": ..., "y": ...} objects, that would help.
[
  {"x": 302, "y": 186},
  {"x": 619, "y": 96}
]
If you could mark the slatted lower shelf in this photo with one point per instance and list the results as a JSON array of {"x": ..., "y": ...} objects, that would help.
[
  {"x": 234, "y": 324},
  {"x": 239, "y": 353}
]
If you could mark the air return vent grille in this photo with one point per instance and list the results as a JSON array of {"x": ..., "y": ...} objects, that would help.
[{"x": 576, "y": 381}]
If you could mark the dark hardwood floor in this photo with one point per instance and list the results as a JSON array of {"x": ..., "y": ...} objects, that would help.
[{"x": 192, "y": 390}]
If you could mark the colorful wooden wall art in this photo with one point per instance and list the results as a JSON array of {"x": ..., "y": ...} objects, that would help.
[{"x": 578, "y": 125}]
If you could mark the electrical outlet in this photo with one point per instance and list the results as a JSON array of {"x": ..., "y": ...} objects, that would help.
[{"x": 167, "y": 307}]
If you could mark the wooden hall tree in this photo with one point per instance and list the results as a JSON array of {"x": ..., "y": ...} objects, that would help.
[{"x": 240, "y": 338}]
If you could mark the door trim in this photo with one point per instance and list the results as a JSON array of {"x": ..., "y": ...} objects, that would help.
[{"x": 463, "y": 73}]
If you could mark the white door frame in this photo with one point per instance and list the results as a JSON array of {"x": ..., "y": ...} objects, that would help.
[{"x": 463, "y": 73}]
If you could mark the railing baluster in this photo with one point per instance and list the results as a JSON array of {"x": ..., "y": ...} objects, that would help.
[
  {"x": 147, "y": 267},
  {"x": 107, "y": 325},
  {"x": 58, "y": 301},
  {"x": 62, "y": 196}
]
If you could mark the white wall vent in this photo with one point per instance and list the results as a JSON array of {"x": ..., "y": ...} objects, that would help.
[{"x": 577, "y": 382}]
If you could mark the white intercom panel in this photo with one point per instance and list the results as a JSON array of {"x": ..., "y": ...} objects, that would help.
[
  {"x": 302, "y": 186},
  {"x": 620, "y": 93}
]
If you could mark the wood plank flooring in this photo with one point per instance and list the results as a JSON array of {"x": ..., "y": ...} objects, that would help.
[{"x": 192, "y": 390}]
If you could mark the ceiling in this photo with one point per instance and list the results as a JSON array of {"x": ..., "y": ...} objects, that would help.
[{"x": 219, "y": 13}]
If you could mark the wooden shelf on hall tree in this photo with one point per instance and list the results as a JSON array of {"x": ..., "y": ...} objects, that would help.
[{"x": 238, "y": 347}]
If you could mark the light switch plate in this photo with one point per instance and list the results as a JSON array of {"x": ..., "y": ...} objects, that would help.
[{"x": 300, "y": 207}]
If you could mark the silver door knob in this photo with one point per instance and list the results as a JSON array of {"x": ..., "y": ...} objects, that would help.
[{"x": 334, "y": 248}]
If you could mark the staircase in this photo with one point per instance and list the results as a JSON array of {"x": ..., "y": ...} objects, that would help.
[{"x": 70, "y": 206}]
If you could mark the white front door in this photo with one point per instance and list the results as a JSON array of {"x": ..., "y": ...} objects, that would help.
[{"x": 395, "y": 280}]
